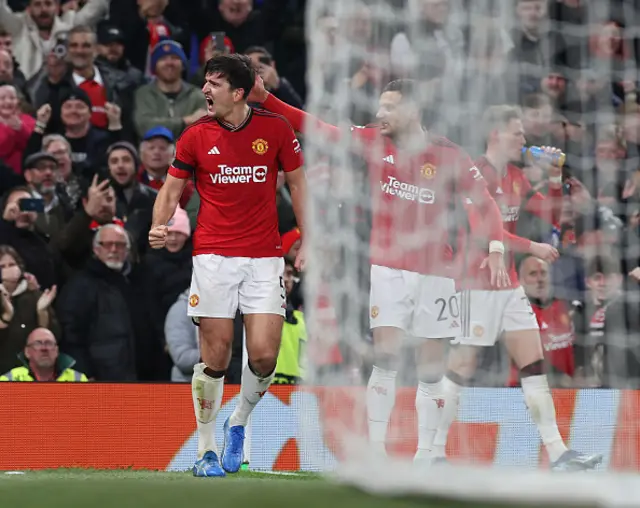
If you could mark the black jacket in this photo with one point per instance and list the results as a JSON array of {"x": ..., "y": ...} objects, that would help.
[
  {"x": 135, "y": 207},
  {"x": 102, "y": 316}
]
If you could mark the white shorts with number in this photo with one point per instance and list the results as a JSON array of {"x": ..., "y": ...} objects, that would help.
[
  {"x": 486, "y": 314},
  {"x": 423, "y": 306},
  {"x": 221, "y": 285}
]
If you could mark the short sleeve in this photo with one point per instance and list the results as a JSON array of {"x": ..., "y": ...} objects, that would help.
[
  {"x": 290, "y": 155},
  {"x": 184, "y": 164}
]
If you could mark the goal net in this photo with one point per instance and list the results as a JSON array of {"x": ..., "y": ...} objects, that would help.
[{"x": 570, "y": 67}]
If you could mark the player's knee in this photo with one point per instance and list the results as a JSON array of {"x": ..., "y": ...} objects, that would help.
[
  {"x": 430, "y": 372},
  {"x": 533, "y": 369},
  {"x": 386, "y": 361},
  {"x": 263, "y": 365}
]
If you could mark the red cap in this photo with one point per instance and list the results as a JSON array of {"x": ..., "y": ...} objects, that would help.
[{"x": 289, "y": 238}]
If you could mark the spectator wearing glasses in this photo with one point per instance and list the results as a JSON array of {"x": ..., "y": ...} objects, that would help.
[
  {"x": 42, "y": 361},
  {"x": 98, "y": 310}
]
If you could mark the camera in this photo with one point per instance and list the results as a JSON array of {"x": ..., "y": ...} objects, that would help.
[{"x": 60, "y": 47}]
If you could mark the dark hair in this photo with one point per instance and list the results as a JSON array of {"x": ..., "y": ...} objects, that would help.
[
  {"x": 408, "y": 88},
  {"x": 260, "y": 51},
  {"x": 5, "y": 197},
  {"x": 236, "y": 69},
  {"x": 7, "y": 250},
  {"x": 603, "y": 264}
]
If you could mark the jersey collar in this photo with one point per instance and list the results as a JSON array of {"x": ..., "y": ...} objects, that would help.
[{"x": 231, "y": 128}]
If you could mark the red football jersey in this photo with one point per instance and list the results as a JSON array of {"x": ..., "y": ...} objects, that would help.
[
  {"x": 411, "y": 196},
  {"x": 235, "y": 170},
  {"x": 557, "y": 335}
]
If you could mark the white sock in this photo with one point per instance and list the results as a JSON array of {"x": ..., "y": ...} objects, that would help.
[
  {"x": 537, "y": 396},
  {"x": 252, "y": 389},
  {"x": 451, "y": 395},
  {"x": 430, "y": 404},
  {"x": 207, "y": 399},
  {"x": 381, "y": 397}
]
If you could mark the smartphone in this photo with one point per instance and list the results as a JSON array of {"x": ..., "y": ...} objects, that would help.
[
  {"x": 31, "y": 205},
  {"x": 217, "y": 41}
]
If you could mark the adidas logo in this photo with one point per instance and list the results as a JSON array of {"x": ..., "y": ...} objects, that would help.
[
  {"x": 389, "y": 159},
  {"x": 454, "y": 324},
  {"x": 499, "y": 191},
  {"x": 214, "y": 151}
]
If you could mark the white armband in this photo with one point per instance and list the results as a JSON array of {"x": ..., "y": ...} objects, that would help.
[
  {"x": 555, "y": 179},
  {"x": 496, "y": 246}
]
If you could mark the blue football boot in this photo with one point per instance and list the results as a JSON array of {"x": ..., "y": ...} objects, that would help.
[
  {"x": 208, "y": 465},
  {"x": 232, "y": 449},
  {"x": 575, "y": 461}
]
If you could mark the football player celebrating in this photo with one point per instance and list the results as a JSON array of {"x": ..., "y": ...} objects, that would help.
[
  {"x": 234, "y": 153},
  {"x": 414, "y": 177}
]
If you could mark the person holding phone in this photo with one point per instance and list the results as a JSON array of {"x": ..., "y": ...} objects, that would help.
[
  {"x": 18, "y": 228},
  {"x": 277, "y": 85}
]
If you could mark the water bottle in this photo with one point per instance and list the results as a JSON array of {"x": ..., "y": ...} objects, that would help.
[{"x": 535, "y": 153}]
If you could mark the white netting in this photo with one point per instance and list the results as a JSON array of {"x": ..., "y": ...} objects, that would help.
[{"x": 571, "y": 66}]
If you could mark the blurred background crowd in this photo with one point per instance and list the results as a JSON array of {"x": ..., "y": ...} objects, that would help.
[{"x": 94, "y": 94}]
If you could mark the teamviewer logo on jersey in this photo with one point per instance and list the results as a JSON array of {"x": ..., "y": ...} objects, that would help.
[
  {"x": 407, "y": 191},
  {"x": 239, "y": 174}
]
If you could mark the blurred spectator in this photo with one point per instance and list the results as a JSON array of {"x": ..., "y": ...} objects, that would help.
[
  {"x": 111, "y": 49},
  {"x": 537, "y": 115},
  {"x": 68, "y": 183},
  {"x": 168, "y": 101},
  {"x": 6, "y": 44},
  {"x": 291, "y": 365},
  {"x": 104, "y": 85},
  {"x": 168, "y": 273},
  {"x": 34, "y": 31},
  {"x": 41, "y": 172},
  {"x": 144, "y": 25},
  {"x": 49, "y": 85},
  {"x": 607, "y": 329},
  {"x": 24, "y": 307},
  {"x": 8, "y": 77},
  {"x": 554, "y": 320},
  {"x": 42, "y": 361},
  {"x": 273, "y": 82},
  {"x": 17, "y": 229},
  {"x": 134, "y": 201},
  {"x": 157, "y": 151},
  {"x": 15, "y": 128},
  {"x": 291, "y": 242},
  {"x": 98, "y": 208},
  {"x": 182, "y": 340},
  {"x": 98, "y": 310},
  {"x": 88, "y": 143}
]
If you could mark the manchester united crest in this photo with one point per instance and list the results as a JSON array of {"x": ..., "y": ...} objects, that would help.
[
  {"x": 428, "y": 171},
  {"x": 375, "y": 311},
  {"x": 260, "y": 146},
  {"x": 194, "y": 300},
  {"x": 478, "y": 331}
]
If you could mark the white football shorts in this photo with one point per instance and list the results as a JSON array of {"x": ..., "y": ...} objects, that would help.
[
  {"x": 424, "y": 306},
  {"x": 486, "y": 314},
  {"x": 221, "y": 285}
]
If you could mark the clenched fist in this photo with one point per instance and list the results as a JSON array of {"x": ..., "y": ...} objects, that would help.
[{"x": 158, "y": 237}]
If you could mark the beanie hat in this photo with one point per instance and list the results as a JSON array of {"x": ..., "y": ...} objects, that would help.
[
  {"x": 180, "y": 222},
  {"x": 289, "y": 238},
  {"x": 165, "y": 48},
  {"x": 76, "y": 94},
  {"x": 124, "y": 145}
]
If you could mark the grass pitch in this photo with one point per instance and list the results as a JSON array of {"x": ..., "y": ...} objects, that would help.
[{"x": 69, "y": 488}]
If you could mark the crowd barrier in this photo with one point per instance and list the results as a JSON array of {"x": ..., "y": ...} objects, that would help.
[{"x": 145, "y": 426}]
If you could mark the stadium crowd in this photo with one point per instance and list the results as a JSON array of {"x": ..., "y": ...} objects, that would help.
[{"x": 95, "y": 93}]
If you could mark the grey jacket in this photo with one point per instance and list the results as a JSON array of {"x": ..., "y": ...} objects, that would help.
[{"x": 182, "y": 340}]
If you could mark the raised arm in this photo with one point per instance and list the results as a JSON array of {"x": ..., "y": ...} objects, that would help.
[{"x": 299, "y": 120}]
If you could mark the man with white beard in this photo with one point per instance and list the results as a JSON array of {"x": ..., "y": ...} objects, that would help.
[
  {"x": 102, "y": 311},
  {"x": 41, "y": 175}
]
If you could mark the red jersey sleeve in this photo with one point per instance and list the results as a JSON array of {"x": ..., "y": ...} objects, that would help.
[
  {"x": 290, "y": 153},
  {"x": 548, "y": 208},
  {"x": 470, "y": 185},
  {"x": 184, "y": 164}
]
